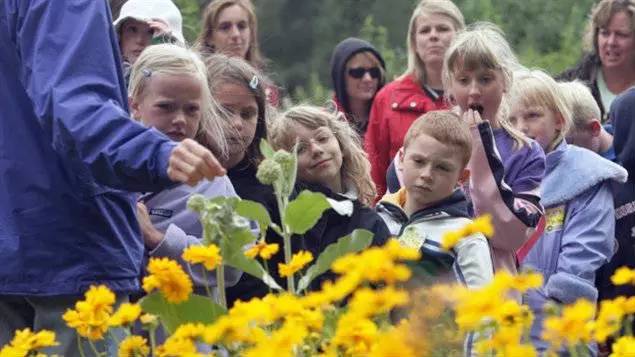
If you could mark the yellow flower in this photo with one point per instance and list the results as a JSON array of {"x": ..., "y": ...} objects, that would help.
[
  {"x": 25, "y": 341},
  {"x": 526, "y": 281},
  {"x": 572, "y": 327},
  {"x": 367, "y": 302},
  {"x": 396, "y": 343},
  {"x": 519, "y": 350},
  {"x": 482, "y": 224},
  {"x": 609, "y": 319},
  {"x": 177, "y": 347},
  {"x": 209, "y": 256},
  {"x": 134, "y": 346},
  {"x": 355, "y": 335},
  {"x": 623, "y": 276},
  {"x": 189, "y": 330},
  {"x": 125, "y": 315},
  {"x": 91, "y": 316},
  {"x": 281, "y": 342},
  {"x": 624, "y": 347},
  {"x": 298, "y": 261},
  {"x": 148, "y": 319},
  {"x": 168, "y": 276},
  {"x": 262, "y": 249}
]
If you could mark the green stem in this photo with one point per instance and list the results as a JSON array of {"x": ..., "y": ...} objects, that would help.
[
  {"x": 94, "y": 348},
  {"x": 207, "y": 290},
  {"x": 153, "y": 340},
  {"x": 286, "y": 238},
  {"x": 79, "y": 346},
  {"x": 220, "y": 281},
  {"x": 573, "y": 351},
  {"x": 266, "y": 265},
  {"x": 628, "y": 328}
]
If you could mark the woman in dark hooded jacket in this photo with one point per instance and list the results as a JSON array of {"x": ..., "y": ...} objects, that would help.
[{"x": 358, "y": 72}]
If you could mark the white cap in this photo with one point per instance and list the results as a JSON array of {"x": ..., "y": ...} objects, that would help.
[{"x": 147, "y": 10}]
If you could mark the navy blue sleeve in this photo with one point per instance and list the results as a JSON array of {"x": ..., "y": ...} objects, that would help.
[{"x": 71, "y": 70}]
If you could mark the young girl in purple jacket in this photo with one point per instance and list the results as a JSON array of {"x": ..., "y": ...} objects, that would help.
[
  {"x": 506, "y": 167},
  {"x": 578, "y": 237}
]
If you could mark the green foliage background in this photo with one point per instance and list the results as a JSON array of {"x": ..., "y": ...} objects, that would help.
[{"x": 297, "y": 36}]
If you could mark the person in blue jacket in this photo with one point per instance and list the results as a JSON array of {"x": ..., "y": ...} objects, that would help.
[
  {"x": 68, "y": 154},
  {"x": 576, "y": 193}
]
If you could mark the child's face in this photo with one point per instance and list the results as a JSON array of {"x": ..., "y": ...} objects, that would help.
[
  {"x": 232, "y": 35},
  {"x": 241, "y": 106},
  {"x": 171, "y": 104},
  {"x": 362, "y": 88},
  {"x": 481, "y": 89},
  {"x": 431, "y": 170},
  {"x": 536, "y": 122},
  {"x": 135, "y": 37},
  {"x": 319, "y": 156},
  {"x": 587, "y": 136}
]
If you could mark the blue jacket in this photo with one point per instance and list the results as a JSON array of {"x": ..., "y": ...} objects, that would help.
[
  {"x": 67, "y": 148},
  {"x": 621, "y": 116},
  {"x": 579, "y": 231}
]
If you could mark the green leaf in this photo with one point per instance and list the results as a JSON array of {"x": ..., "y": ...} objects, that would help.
[
  {"x": 234, "y": 256},
  {"x": 266, "y": 149},
  {"x": 304, "y": 212},
  {"x": 254, "y": 211},
  {"x": 196, "y": 309},
  {"x": 357, "y": 241}
]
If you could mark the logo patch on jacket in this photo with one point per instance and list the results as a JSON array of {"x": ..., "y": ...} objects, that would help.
[
  {"x": 167, "y": 213},
  {"x": 554, "y": 218},
  {"x": 411, "y": 238}
]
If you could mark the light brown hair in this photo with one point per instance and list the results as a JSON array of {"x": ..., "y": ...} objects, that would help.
[
  {"x": 210, "y": 21},
  {"x": 601, "y": 15},
  {"x": 355, "y": 165},
  {"x": 445, "y": 127}
]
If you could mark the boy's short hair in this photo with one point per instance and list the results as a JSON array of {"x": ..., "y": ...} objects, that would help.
[
  {"x": 446, "y": 127},
  {"x": 581, "y": 103}
]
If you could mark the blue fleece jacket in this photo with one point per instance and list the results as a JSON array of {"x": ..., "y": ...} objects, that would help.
[{"x": 579, "y": 230}]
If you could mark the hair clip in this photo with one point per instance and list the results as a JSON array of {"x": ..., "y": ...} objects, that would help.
[
  {"x": 146, "y": 72},
  {"x": 254, "y": 82}
]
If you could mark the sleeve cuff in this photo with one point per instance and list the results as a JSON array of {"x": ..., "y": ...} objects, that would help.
[{"x": 567, "y": 288}]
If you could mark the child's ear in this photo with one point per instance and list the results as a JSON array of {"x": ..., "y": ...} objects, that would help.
[
  {"x": 401, "y": 155},
  {"x": 134, "y": 107},
  {"x": 464, "y": 176},
  {"x": 559, "y": 121},
  {"x": 595, "y": 127}
]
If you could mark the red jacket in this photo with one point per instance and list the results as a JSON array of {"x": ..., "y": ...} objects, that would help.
[{"x": 394, "y": 109}]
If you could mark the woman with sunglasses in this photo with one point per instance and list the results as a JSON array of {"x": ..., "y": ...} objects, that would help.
[
  {"x": 358, "y": 72},
  {"x": 419, "y": 90}
]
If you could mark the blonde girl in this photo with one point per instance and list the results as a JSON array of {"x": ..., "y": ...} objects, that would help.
[
  {"x": 576, "y": 192},
  {"x": 330, "y": 160},
  {"x": 169, "y": 92},
  {"x": 506, "y": 167}
]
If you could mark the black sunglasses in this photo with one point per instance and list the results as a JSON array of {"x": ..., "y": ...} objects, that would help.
[{"x": 359, "y": 72}]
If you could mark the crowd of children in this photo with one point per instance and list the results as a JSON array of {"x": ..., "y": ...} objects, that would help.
[{"x": 466, "y": 131}]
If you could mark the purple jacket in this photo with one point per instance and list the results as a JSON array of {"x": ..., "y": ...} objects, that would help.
[{"x": 579, "y": 232}]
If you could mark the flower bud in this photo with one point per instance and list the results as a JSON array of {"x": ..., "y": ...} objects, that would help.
[
  {"x": 269, "y": 172},
  {"x": 196, "y": 203}
]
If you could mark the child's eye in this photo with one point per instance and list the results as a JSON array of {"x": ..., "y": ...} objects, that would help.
[
  {"x": 164, "y": 106},
  {"x": 424, "y": 29},
  {"x": 486, "y": 79},
  {"x": 242, "y": 26},
  {"x": 248, "y": 114},
  {"x": 463, "y": 80},
  {"x": 443, "y": 28},
  {"x": 443, "y": 168},
  {"x": 193, "y": 109}
]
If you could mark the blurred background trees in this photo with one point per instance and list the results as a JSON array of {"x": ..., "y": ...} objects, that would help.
[{"x": 297, "y": 36}]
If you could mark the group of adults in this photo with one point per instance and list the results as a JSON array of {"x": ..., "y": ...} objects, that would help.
[{"x": 70, "y": 156}]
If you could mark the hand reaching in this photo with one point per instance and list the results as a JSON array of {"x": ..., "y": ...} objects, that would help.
[{"x": 190, "y": 162}]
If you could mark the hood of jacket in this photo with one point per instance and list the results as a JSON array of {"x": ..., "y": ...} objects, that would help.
[
  {"x": 581, "y": 168},
  {"x": 341, "y": 54},
  {"x": 622, "y": 114}
]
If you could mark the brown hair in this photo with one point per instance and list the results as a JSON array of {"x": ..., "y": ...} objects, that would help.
[
  {"x": 210, "y": 19},
  {"x": 601, "y": 15},
  {"x": 445, "y": 127},
  {"x": 355, "y": 165},
  {"x": 221, "y": 70}
]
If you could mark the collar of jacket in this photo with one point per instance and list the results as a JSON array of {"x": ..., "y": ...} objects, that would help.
[
  {"x": 409, "y": 96},
  {"x": 454, "y": 205},
  {"x": 586, "y": 167}
]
